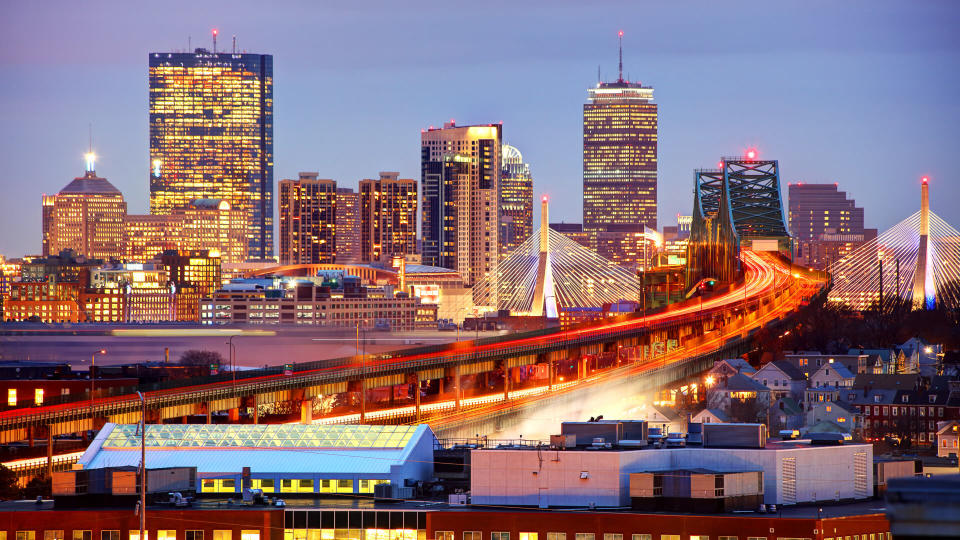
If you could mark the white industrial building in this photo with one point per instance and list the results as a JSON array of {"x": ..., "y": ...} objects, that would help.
[{"x": 793, "y": 472}]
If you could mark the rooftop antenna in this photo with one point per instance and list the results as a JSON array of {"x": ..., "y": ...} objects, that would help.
[
  {"x": 214, "y": 41},
  {"x": 598, "y": 74},
  {"x": 189, "y": 45},
  {"x": 620, "y": 70},
  {"x": 234, "y": 44}
]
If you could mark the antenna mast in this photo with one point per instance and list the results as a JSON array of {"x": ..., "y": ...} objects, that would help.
[
  {"x": 620, "y": 70},
  {"x": 214, "y": 41},
  {"x": 234, "y": 44}
]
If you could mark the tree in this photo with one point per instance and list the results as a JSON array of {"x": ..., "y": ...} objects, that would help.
[
  {"x": 40, "y": 486},
  {"x": 8, "y": 484},
  {"x": 196, "y": 357}
]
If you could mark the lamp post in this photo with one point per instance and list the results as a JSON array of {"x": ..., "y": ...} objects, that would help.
[
  {"x": 233, "y": 356},
  {"x": 93, "y": 378},
  {"x": 143, "y": 464}
]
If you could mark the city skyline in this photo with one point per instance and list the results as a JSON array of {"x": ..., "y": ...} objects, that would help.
[{"x": 848, "y": 81}]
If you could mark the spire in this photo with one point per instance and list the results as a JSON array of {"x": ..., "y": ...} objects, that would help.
[
  {"x": 620, "y": 70},
  {"x": 90, "y": 157}
]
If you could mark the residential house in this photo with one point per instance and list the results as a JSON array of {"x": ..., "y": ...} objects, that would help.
[
  {"x": 782, "y": 379},
  {"x": 900, "y": 406},
  {"x": 828, "y": 383},
  {"x": 664, "y": 418},
  {"x": 891, "y": 361},
  {"x": 785, "y": 413},
  {"x": 843, "y": 414},
  {"x": 922, "y": 357},
  {"x": 711, "y": 416},
  {"x": 740, "y": 397},
  {"x": 730, "y": 367},
  {"x": 948, "y": 436},
  {"x": 810, "y": 361}
]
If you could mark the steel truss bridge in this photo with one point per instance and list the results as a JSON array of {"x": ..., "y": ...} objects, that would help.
[{"x": 736, "y": 206}]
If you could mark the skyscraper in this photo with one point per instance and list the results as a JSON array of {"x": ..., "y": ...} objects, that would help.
[
  {"x": 211, "y": 135},
  {"x": 348, "y": 226},
  {"x": 86, "y": 217},
  {"x": 204, "y": 224},
  {"x": 460, "y": 180},
  {"x": 516, "y": 201},
  {"x": 619, "y": 156},
  {"x": 825, "y": 224},
  {"x": 47, "y": 202},
  {"x": 308, "y": 210},
  {"x": 388, "y": 217}
]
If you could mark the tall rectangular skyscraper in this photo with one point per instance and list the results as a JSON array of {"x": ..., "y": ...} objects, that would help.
[
  {"x": 619, "y": 157},
  {"x": 308, "y": 220},
  {"x": 460, "y": 168},
  {"x": 516, "y": 201},
  {"x": 211, "y": 136},
  {"x": 388, "y": 217}
]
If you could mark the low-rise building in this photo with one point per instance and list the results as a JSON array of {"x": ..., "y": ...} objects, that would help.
[
  {"x": 808, "y": 362},
  {"x": 782, "y": 379},
  {"x": 730, "y": 367},
  {"x": 843, "y": 414},
  {"x": 948, "y": 436},
  {"x": 740, "y": 397}
]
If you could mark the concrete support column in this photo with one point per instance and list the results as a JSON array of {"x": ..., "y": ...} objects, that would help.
[
  {"x": 207, "y": 407},
  {"x": 256, "y": 410},
  {"x": 550, "y": 375},
  {"x": 49, "y": 453},
  {"x": 234, "y": 414},
  {"x": 30, "y": 436},
  {"x": 184, "y": 419},
  {"x": 306, "y": 411},
  {"x": 456, "y": 375},
  {"x": 363, "y": 399},
  {"x": 506, "y": 384},
  {"x": 416, "y": 396}
]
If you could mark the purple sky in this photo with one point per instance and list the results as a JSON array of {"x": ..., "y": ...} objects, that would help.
[{"x": 860, "y": 93}]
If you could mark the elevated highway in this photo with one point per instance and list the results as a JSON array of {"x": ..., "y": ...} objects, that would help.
[{"x": 771, "y": 290}]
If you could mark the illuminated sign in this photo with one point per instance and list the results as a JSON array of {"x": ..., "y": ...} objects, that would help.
[{"x": 428, "y": 294}]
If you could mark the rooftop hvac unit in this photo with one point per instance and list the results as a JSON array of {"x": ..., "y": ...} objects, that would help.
[
  {"x": 789, "y": 434},
  {"x": 587, "y": 431},
  {"x": 827, "y": 439},
  {"x": 734, "y": 435},
  {"x": 563, "y": 441}
]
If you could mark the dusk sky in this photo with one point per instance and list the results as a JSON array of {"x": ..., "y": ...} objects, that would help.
[{"x": 860, "y": 93}]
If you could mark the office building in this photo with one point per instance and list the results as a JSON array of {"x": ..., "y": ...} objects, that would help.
[
  {"x": 86, "y": 217},
  {"x": 204, "y": 224},
  {"x": 619, "y": 156},
  {"x": 194, "y": 275},
  {"x": 388, "y": 217},
  {"x": 825, "y": 224},
  {"x": 308, "y": 210},
  {"x": 47, "y": 205},
  {"x": 348, "y": 226},
  {"x": 460, "y": 184},
  {"x": 148, "y": 294},
  {"x": 516, "y": 200},
  {"x": 575, "y": 232},
  {"x": 211, "y": 136}
]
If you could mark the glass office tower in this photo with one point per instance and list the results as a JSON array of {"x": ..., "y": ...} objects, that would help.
[{"x": 211, "y": 136}]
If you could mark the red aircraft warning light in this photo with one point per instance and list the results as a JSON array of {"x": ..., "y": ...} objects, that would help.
[
  {"x": 924, "y": 179},
  {"x": 752, "y": 153}
]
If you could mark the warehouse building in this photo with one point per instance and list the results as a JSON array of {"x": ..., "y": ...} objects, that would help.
[{"x": 279, "y": 458}]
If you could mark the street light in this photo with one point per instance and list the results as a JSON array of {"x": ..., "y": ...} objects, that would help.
[{"x": 233, "y": 355}]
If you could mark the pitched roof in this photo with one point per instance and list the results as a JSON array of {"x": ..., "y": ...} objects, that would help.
[
  {"x": 838, "y": 368},
  {"x": 790, "y": 405},
  {"x": 789, "y": 370},
  {"x": 716, "y": 413},
  {"x": 743, "y": 383},
  {"x": 827, "y": 426},
  {"x": 886, "y": 381},
  {"x": 89, "y": 184}
]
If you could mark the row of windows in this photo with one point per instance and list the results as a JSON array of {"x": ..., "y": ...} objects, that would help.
[
  {"x": 292, "y": 485},
  {"x": 162, "y": 534}
]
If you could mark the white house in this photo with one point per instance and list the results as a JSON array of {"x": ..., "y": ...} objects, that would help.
[
  {"x": 782, "y": 379},
  {"x": 835, "y": 375},
  {"x": 842, "y": 414},
  {"x": 948, "y": 436},
  {"x": 710, "y": 416}
]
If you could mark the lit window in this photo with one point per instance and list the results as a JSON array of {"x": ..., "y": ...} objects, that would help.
[
  {"x": 11, "y": 397},
  {"x": 38, "y": 400},
  {"x": 166, "y": 534},
  {"x": 53, "y": 534},
  {"x": 249, "y": 534},
  {"x": 135, "y": 535},
  {"x": 528, "y": 536}
]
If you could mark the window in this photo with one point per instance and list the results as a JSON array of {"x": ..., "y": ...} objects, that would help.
[
  {"x": 586, "y": 536},
  {"x": 612, "y": 536},
  {"x": 53, "y": 534},
  {"x": 558, "y": 536},
  {"x": 344, "y": 486},
  {"x": 109, "y": 535},
  {"x": 79, "y": 535},
  {"x": 193, "y": 535},
  {"x": 726, "y": 538},
  {"x": 669, "y": 537},
  {"x": 265, "y": 485},
  {"x": 443, "y": 535},
  {"x": 135, "y": 535},
  {"x": 756, "y": 538},
  {"x": 496, "y": 535},
  {"x": 642, "y": 537},
  {"x": 699, "y": 537},
  {"x": 250, "y": 534},
  {"x": 11, "y": 397},
  {"x": 38, "y": 396},
  {"x": 473, "y": 535},
  {"x": 26, "y": 535},
  {"x": 166, "y": 534},
  {"x": 528, "y": 536},
  {"x": 222, "y": 535}
]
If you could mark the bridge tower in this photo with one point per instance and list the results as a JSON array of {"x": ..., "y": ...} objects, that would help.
[
  {"x": 736, "y": 206},
  {"x": 923, "y": 288}
]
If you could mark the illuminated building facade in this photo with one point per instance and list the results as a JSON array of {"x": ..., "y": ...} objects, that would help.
[
  {"x": 575, "y": 232},
  {"x": 47, "y": 202},
  {"x": 86, "y": 217},
  {"x": 148, "y": 294},
  {"x": 308, "y": 210},
  {"x": 825, "y": 224},
  {"x": 195, "y": 275},
  {"x": 460, "y": 197},
  {"x": 209, "y": 224},
  {"x": 348, "y": 226},
  {"x": 388, "y": 217},
  {"x": 211, "y": 136},
  {"x": 516, "y": 200},
  {"x": 619, "y": 156}
]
